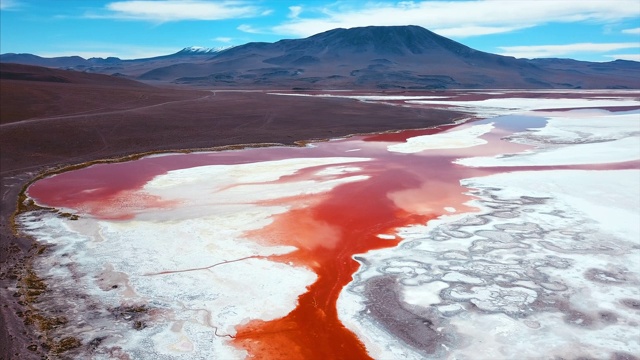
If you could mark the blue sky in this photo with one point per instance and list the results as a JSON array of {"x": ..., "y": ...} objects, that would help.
[{"x": 593, "y": 30}]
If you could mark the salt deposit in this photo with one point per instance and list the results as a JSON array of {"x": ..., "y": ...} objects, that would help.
[{"x": 488, "y": 239}]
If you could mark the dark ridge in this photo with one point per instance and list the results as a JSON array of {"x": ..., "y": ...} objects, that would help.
[
  {"x": 403, "y": 57},
  {"x": 21, "y": 72}
]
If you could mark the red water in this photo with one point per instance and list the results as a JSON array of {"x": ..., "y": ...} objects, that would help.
[
  {"x": 328, "y": 233},
  {"x": 111, "y": 191},
  {"x": 328, "y": 229}
]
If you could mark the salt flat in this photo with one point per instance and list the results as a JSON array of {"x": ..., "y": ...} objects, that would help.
[{"x": 487, "y": 239}]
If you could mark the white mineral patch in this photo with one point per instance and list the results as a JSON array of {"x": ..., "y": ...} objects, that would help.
[
  {"x": 593, "y": 138},
  {"x": 627, "y": 149},
  {"x": 338, "y": 170},
  {"x": 386, "y": 236},
  {"x": 546, "y": 267},
  {"x": 503, "y": 106},
  {"x": 589, "y": 125},
  {"x": 497, "y": 106},
  {"x": 461, "y": 278},
  {"x": 225, "y": 175},
  {"x": 572, "y": 226},
  {"x": 424, "y": 295},
  {"x": 168, "y": 267},
  {"x": 191, "y": 265},
  {"x": 614, "y": 206},
  {"x": 367, "y": 97},
  {"x": 548, "y": 260},
  {"x": 455, "y": 139},
  {"x": 231, "y": 189}
]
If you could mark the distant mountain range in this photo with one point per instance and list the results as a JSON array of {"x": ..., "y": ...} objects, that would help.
[{"x": 393, "y": 57}]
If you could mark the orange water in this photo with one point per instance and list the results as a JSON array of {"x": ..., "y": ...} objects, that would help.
[{"x": 328, "y": 234}]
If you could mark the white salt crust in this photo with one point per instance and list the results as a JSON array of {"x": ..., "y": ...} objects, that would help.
[
  {"x": 546, "y": 255},
  {"x": 581, "y": 226},
  {"x": 455, "y": 139},
  {"x": 576, "y": 139},
  {"x": 503, "y": 106},
  {"x": 556, "y": 283},
  {"x": 165, "y": 258}
]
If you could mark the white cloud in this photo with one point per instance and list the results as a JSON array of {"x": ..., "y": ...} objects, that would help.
[
  {"x": 179, "y": 10},
  {"x": 249, "y": 29},
  {"x": 9, "y": 4},
  {"x": 294, "y": 11},
  {"x": 545, "y": 51},
  {"x": 463, "y": 31},
  {"x": 223, "y": 39},
  {"x": 634, "y": 57},
  {"x": 457, "y": 18},
  {"x": 633, "y": 31}
]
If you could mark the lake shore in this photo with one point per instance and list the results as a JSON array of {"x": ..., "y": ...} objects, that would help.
[{"x": 36, "y": 146}]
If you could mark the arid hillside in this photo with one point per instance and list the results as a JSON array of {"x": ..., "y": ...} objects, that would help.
[{"x": 373, "y": 57}]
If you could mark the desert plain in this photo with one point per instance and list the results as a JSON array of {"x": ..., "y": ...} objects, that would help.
[{"x": 142, "y": 221}]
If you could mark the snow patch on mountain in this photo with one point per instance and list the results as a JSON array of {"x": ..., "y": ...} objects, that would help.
[{"x": 203, "y": 50}]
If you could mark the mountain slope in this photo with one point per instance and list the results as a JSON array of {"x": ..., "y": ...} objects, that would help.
[
  {"x": 396, "y": 56},
  {"x": 10, "y": 71},
  {"x": 113, "y": 65},
  {"x": 407, "y": 57},
  {"x": 403, "y": 57},
  {"x": 28, "y": 91}
]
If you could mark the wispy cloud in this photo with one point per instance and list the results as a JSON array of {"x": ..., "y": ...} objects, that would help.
[
  {"x": 634, "y": 31},
  {"x": 634, "y": 57},
  {"x": 249, "y": 29},
  {"x": 294, "y": 11},
  {"x": 464, "y": 31},
  {"x": 456, "y": 18},
  {"x": 545, "y": 51},
  {"x": 9, "y": 4},
  {"x": 179, "y": 10},
  {"x": 223, "y": 39}
]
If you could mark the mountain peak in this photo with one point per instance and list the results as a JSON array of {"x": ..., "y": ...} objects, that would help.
[
  {"x": 384, "y": 57},
  {"x": 398, "y": 40}
]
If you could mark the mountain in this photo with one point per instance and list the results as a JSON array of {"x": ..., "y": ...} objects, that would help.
[
  {"x": 11, "y": 71},
  {"x": 401, "y": 57},
  {"x": 114, "y": 65},
  {"x": 30, "y": 59}
]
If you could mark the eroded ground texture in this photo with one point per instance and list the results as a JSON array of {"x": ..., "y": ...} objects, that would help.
[
  {"x": 542, "y": 271},
  {"x": 514, "y": 235}
]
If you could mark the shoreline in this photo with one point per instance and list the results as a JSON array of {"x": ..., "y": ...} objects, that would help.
[{"x": 19, "y": 340}]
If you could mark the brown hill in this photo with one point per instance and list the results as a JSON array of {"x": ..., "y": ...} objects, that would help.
[
  {"x": 11, "y": 71},
  {"x": 64, "y": 114},
  {"x": 31, "y": 91}
]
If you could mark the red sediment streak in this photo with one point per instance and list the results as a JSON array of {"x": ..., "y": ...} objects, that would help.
[
  {"x": 401, "y": 136},
  {"x": 403, "y": 190},
  {"x": 328, "y": 229},
  {"x": 111, "y": 191},
  {"x": 328, "y": 233}
]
